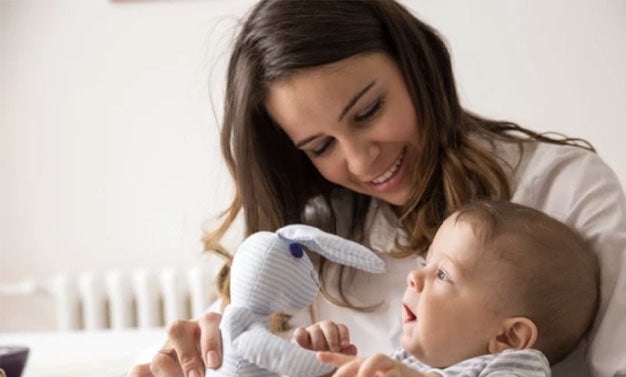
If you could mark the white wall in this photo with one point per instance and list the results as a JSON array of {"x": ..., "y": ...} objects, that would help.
[
  {"x": 109, "y": 147},
  {"x": 108, "y": 143}
]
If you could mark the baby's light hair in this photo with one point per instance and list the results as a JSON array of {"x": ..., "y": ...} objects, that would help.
[{"x": 553, "y": 267}]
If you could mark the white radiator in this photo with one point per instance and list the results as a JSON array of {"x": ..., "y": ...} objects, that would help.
[
  {"x": 116, "y": 299},
  {"x": 141, "y": 298}
]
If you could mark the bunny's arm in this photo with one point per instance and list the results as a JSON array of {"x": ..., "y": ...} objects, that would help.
[{"x": 260, "y": 347}]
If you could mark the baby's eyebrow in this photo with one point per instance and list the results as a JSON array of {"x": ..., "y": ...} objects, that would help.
[{"x": 458, "y": 267}]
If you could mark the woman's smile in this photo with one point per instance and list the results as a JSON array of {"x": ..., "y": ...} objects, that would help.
[{"x": 393, "y": 176}]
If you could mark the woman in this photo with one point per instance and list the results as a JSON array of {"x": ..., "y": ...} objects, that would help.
[{"x": 345, "y": 115}]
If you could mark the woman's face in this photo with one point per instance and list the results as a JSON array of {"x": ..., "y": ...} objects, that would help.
[{"x": 355, "y": 120}]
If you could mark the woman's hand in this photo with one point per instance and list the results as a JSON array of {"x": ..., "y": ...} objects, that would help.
[
  {"x": 325, "y": 336},
  {"x": 374, "y": 366},
  {"x": 191, "y": 346}
]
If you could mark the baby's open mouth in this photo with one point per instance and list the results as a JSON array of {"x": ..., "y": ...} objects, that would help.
[{"x": 410, "y": 316}]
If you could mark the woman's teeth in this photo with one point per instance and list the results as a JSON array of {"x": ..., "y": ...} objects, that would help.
[{"x": 389, "y": 173}]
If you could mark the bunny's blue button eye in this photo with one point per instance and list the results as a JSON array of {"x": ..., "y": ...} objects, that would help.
[{"x": 296, "y": 250}]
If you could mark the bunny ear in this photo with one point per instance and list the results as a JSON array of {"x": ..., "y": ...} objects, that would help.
[{"x": 334, "y": 248}]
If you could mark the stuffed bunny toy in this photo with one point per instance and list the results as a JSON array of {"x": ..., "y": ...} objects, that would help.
[{"x": 271, "y": 273}]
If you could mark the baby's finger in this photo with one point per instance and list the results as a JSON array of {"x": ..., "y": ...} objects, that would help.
[
  {"x": 318, "y": 340},
  {"x": 351, "y": 350},
  {"x": 344, "y": 336},
  {"x": 302, "y": 338},
  {"x": 331, "y": 334}
]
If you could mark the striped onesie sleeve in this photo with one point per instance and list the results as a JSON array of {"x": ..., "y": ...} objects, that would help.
[{"x": 510, "y": 363}]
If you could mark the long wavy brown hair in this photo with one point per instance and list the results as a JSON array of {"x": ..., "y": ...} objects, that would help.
[{"x": 274, "y": 181}]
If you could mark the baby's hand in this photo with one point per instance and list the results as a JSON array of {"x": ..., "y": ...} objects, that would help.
[{"x": 325, "y": 336}]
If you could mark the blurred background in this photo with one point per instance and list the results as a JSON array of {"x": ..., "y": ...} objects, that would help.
[{"x": 109, "y": 120}]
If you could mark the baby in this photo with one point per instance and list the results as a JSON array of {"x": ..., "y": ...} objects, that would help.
[{"x": 505, "y": 288}]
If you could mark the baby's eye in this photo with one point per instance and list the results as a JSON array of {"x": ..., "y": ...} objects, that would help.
[{"x": 441, "y": 275}]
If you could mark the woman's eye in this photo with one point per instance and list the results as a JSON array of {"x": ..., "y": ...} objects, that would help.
[
  {"x": 441, "y": 275},
  {"x": 319, "y": 151},
  {"x": 370, "y": 112}
]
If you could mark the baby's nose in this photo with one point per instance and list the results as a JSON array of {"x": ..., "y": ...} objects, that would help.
[{"x": 415, "y": 279}]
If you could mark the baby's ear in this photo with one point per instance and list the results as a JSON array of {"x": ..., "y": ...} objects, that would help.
[{"x": 515, "y": 333}]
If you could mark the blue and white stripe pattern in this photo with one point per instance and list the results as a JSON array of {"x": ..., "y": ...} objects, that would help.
[
  {"x": 267, "y": 277},
  {"x": 250, "y": 349},
  {"x": 333, "y": 247},
  {"x": 518, "y": 363}
]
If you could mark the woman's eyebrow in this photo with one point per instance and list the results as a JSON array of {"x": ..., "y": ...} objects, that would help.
[
  {"x": 307, "y": 140},
  {"x": 355, "y": 99}
]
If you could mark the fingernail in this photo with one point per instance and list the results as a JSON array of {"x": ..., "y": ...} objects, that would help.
[
  {"x": 193, "y": 373},
  {"x": 212, "y": 359}
]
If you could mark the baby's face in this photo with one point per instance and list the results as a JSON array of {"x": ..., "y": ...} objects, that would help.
[{"x": 448, "y": 305}]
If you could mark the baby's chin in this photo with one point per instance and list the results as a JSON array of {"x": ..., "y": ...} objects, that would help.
[
  {"x": 435, "y": 359},
  {"x": 417, "y": 350},
  {"x": 411, "y": 345}
]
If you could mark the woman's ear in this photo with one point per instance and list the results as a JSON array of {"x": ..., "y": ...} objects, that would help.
[{"x": 516, "y": 333}]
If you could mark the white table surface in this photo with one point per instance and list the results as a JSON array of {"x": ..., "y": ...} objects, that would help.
[{"x": 103, "y": 353}]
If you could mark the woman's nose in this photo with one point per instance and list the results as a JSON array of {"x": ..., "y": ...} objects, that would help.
[
  {"x": 360, "y": 156},
  {"x": 415, "y": 279}
]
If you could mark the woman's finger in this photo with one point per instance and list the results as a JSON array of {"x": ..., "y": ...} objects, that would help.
[
  {"x": 165, "y": 364},
  {"x": 331, "y": 334},
  {"x": 141, "y": 370},
  {"x": 184, "y": 337},
  {"x": 301, "y": 337},
  {"x": 376, "y": 365},
  {"x": 349, "y": 369},
  {"x": 211, "y": 339},
  {"x": 333, "y": 358}
]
